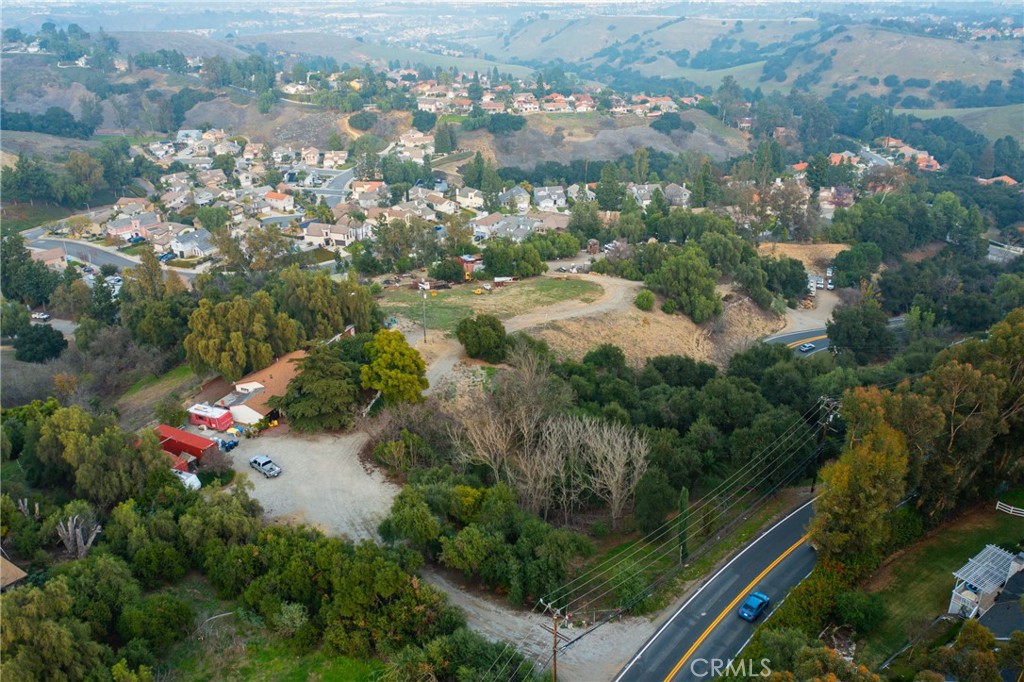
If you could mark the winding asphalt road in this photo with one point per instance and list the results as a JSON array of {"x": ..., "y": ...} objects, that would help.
[
  {"x": 819, "y": 337},
  {"x": 707, "y": 628}
]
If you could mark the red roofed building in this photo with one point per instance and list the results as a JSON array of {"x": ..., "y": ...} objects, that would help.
[
  {"x": 279, "y": 201},
  {"x": 178, "y": 442},
  {"x": 799, "y": 167}
]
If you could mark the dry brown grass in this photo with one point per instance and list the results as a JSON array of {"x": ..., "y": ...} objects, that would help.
[{"x": 815, "y": 257}]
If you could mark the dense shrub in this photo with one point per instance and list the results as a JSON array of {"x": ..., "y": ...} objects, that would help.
[
  {"x": 364, "y": 120},
  {"x": 644, "y": 300},
  {"x": 862, "y": 611},
  {"x": 483, "y": 337}
]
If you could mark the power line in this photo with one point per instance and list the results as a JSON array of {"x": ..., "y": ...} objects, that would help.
[
  {"x": 668, "y": 526},
  {"x": 616, "y": 581}
]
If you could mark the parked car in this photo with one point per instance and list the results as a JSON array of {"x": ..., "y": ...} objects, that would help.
[
  {"x": 754, "y": 606},
  {"x": 828, "y": 272},
  {"x": 806, "y": 348},
  {"x": 821, "y": 282},
  {"x": 831, "y": 285},
  {"x": 165, "y": 257},
  {"x": 41, "y": 316},
  {"x": 265, "y": 466}
]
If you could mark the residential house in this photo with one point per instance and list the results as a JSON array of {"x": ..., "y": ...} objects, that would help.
[
  {"x": 556, "y": 103},
  {"x": 333, "y": 159},
  {"x": 245, "y": 178},
  {"x": 311, "y": 156},
  {"x": 227, "y": 148},
  {"x": 580, "y": 192},
  {"x": 213, "y": 178},
  {"x": 195, "y": 244},
  {"x": 368, "y": 193},
  {"x": 493, "y": 107},
  {"x": 643, "y": 194},
  {"x": 176, "y": 181},
  {"x": 203, "y": 197},
  {"x": 547, "y": 221},
  {"x": 187, "y": 137},
  {"x": 254, "y": 391},
  {"x": 549, "y": 198},
  {"x": 176, "y": 201},
  {"x": 583, "y": 103},
  {"x": 442, "y": 204},
  {"x": 253, "y": 151},
  {"x": 282, "y": 152},
  {"x": 129, "y": 227},
  {"x": 197, "y": 162},
  {"x": 469, "y": 197},
  {"x": 979, "y": 582},
  {"x": 133, "y": 205},
  {"x": 525, "y": 103},
  {"x": 325, "y": 235},
  {"x": 432, "y": 104},
  {"x": 516, "y": 198},
  {"x": 676, "y": 195},
  {"x": 215, "y": 135},
  {"x": 414, "y": 154},
  {"x": 663, "y": 103},
  {"x": 278, "y": 201},
  {"x": 161, "y": 149},
  {"x": 160, "y": 237},
  {"x": 415, "y": 138},
  {"x": 54, "y": 259}
]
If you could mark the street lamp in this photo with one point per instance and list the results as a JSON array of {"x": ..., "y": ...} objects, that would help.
[{"x": 424, "y": 317}]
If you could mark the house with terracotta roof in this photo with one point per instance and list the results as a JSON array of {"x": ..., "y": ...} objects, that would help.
[
  {"x": 279, "y": 201},
  {"x": 255, "y": 390}
]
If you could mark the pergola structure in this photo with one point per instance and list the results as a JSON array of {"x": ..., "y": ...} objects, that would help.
[{"x": 978, "y": 582}]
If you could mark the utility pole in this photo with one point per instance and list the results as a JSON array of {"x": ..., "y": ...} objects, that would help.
[
  {"x": 424, "y": 317},
  {"x": 831, "y": 406},
  {"x": 554, "y": 646}
]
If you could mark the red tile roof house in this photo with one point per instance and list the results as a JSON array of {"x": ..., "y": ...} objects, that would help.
[{"x": 279, "y": 201}]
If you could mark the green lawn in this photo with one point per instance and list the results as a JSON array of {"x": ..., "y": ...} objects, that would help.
[
  {"x": 917, "y": 584},
  {"x": 136, "y": 249},
  {"x": 177, "y": 374},
  {"x": 235, "y": 649},
  {"x": 449, "y": 306},
  {"x": 21, "y": 217}
]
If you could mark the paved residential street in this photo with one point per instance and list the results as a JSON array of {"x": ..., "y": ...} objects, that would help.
[{"x": 707, "y": 625}]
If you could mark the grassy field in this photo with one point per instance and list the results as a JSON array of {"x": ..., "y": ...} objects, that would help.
[
  {"x": 132, "y": 139},
  {"x": 231, "y": 648},
  {"x": 448, "y": 307},
  {"x": 992, "y": 122},
  {"x": 178, "y": 374},
  {"x": 21, "y": 217},
  {"x": 916, "y": 584}
]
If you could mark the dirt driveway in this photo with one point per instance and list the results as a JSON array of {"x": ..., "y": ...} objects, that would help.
[{"x": 322, "y": 483}]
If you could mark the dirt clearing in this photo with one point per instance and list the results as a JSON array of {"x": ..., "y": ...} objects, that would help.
[
  {"x": 644, "y": 335},
  {"x": 815, "y": 257},
  {"x": 322, "y": 483}
]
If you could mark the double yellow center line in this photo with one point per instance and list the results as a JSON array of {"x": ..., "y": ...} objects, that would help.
[
  {"x": 803, "y": 341},
  {"x": 732, "y": 604}
]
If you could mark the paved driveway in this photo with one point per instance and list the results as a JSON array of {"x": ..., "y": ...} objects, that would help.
[{"x": 322, "y": 482}]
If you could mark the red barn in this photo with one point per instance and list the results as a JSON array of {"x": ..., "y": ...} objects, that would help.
[{"x": 176, "y": 442}]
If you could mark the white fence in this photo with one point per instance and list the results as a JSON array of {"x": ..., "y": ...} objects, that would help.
[{"x": 1013, "y": 511}]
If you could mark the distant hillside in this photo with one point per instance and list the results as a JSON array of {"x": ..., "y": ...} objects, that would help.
[
  {"x": 345, "y": 49},
  {"x": 133, "y": 42},
  {"x": 992, "y": 122}
]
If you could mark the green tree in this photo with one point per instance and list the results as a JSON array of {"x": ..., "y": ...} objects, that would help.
[
  {"x": 324, "y": 394},
  {"x": 654, "y": 495},
  {"x": 170, "y": 411},
  {"x": 688, "y": 280},
  {"x": 423, "y": 121},
  {"x": 265, "y": 101},
  {"x": 72, "y": 300},
  {"x": 238, "y": 336},
  {"x": 448, "y": 270},
  {"x": 683, "y": 524},
  {"x": 335, "y": 142},
  {"x": 610, "y": 191},
  {"x": 483, "y": 337},
  {"x": 14, "y": 319},
  {"x": 22, "y": 278},
  {"x": 469, "y": 549},
  {"x": 862, "y": 330},
  {"x": 861, "y": 488},
  {"x": 213, "y": 218},
  {"x": 39, "y": 343},
  {"x": 43, "y": 640},
  {"x": 396, "y": 369},
  {"x": 641, "y": 165},
  {"x": 155, "y": 305}
]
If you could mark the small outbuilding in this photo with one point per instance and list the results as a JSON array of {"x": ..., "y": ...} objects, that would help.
[
  {"x": 178, "y": 442},
  {"x": 979, "y": 582}
]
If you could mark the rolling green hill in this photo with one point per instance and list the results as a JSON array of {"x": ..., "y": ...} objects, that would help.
[{"x": 992, "y": 122}]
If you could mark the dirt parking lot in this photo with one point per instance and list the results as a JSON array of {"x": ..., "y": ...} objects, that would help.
[{"x": 322, "y": 483}]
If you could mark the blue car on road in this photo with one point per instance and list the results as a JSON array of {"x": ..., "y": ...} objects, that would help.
[{"x": 754, "y": 606}]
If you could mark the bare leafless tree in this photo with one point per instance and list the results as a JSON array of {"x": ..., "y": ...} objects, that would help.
[
  {"x": 616, "y": 457},
  {"x": 77, "y": 533}
]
